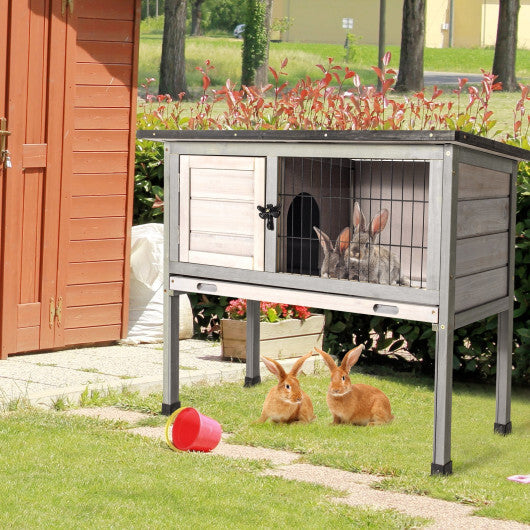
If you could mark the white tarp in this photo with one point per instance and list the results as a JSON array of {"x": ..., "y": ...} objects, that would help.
[{"x": 146, "y": 299}]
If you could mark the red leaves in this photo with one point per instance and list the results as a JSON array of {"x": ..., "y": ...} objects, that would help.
[{"x": 336, "y": 100}]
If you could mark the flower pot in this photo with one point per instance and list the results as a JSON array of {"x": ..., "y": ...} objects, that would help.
[{"x": 278, "y": 340}]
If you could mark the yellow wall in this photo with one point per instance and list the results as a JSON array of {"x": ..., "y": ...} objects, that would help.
[
  {"x": 475, "y": 21},
  {"x": 321, "y": 20}
]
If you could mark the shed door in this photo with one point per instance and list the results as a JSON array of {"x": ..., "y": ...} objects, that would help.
[
  {"x": 219, "y": 220},
  {"x": 32, "y": 63}
]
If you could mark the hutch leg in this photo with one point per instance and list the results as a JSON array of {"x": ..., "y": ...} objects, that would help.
[
  {"x": 503, "y": 425},
  {"x": 443, "y": 386},
  {"x": 252, "y": 364},
  {"x": 170, "y": 392}
]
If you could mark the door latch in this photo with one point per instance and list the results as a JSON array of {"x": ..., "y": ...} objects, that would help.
[
  {"x": 269, "y": 212},
  {"x": 56, "y": 311},
  {"x": 5, "y": 157},
  {"x": 70, "y": 4}
]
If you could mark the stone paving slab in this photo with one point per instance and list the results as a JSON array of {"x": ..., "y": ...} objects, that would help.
[{"x": 43, "y": 378}]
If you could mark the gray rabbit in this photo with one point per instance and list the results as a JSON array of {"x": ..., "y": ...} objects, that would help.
[
  {"x": 367, "y": 261},
  {"x": 334, "y": 263}
]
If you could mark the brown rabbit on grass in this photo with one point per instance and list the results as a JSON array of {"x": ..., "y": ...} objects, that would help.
[
  {"x": 286, "y": 402},
  {"x": 357, "y": 404}
]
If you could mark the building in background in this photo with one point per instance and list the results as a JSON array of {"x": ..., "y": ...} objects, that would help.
[{"x": 449, "y": 23}]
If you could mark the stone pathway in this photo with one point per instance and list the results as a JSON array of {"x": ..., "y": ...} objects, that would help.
[{"x": 357, "y": 486}]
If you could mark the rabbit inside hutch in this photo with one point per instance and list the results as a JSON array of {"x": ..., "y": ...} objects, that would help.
[{"x": 357, "y": 220}]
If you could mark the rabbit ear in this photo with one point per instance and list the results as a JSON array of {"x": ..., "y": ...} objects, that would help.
[
  {"x": 351, "y": 358},
  {"x": 275, "y": 368},
  {"x": 378, "y": 222},
  {"x": 325, "y": 241},
  {"x": 298, "y": 364},
  {"x": 328, "y": 359},
  {"x": 343, "y": 241},
  {"x": 358, "y": 217}
]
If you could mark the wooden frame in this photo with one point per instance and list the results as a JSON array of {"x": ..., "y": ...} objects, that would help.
[{"x": 471, "y": 200}]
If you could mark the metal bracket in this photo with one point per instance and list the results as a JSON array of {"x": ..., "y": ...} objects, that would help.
[
  {"x": 70, "y": 4},
  {"x": 59, "y": 311},
  {"x": 52, "y": 311}
]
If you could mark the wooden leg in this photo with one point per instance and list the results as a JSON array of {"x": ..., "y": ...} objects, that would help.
[
  {"x": 170, "y": 392},
  {"x": 503, "y": 425},
  {"x": 252, "y": 364},
  {"x": 443, "y": 387}
]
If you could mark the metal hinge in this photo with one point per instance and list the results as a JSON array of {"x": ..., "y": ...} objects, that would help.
[
  {"x": 5, "y": 158},
  {"x": 56, "y": 311},
  {"x": 70, "y": 4}
]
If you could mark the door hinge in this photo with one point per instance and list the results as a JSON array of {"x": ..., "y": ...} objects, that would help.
[
  {"x": 56, "y": 311},
  {"x": 70, "y": 4}
]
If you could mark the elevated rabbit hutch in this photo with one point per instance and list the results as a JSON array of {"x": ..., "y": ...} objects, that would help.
[
  {"x": 68, "y": 112},
  {"x": 414, "y": 225}
]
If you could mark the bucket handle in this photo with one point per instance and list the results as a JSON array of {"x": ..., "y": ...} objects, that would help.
[{"x": 168, "y": 425}]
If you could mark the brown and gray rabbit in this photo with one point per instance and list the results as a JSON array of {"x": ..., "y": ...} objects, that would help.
[
  {"x": 357, "y": 404},
  {"x": 335, "y": 260},
  {"x": 369, "y": 262},
  {"x": 286, "y": 402}
]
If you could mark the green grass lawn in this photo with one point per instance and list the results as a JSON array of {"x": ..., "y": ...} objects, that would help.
[
  {"x": 225, "y": 55},
  {"x": 401, "y": 451},
  {"x": 69, "y": 472}
]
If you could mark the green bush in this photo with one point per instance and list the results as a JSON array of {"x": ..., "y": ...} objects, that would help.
[{"x": 148, "y": 182}]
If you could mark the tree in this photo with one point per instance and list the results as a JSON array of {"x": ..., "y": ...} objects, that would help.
[
  {"x": 410, "y": 76},
  {"x": 196, "y": 17},
  {"x": 254, "y": 41},
  {"x": 262, "y": 71},
  {"x": 506, "y": 44},
  {"x": 172, "y": 63}
]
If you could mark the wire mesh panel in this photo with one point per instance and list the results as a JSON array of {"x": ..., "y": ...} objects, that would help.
[{"x": 349, "y": 219}]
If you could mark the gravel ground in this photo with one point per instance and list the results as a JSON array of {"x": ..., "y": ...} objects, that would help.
[{"x": 444, "y": 514}]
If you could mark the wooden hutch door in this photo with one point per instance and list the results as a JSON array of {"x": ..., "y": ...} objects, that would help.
[
  {"x": 219, "y": 220},
  {"x": 33, "y": 48}
]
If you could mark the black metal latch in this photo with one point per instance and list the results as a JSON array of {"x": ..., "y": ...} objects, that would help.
[{"x": 269, "y": 212}]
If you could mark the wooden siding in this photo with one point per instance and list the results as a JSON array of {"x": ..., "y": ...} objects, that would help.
[
  {"x": 100, "y": 210},
  {"x": 482, "y": 236}
]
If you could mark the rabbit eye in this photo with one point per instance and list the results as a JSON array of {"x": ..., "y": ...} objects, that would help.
[
  {"x": 344, "y": 378},
  {"x": 288, "y": 387}
]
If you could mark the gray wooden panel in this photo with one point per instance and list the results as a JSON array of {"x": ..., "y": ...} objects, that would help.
[
  {"x": 392, "y": 293},
  {"x": 434, "y": 223},
  {"x": 171, "y": 196},
  {"x": 479, "y": 182},
  {"x": 481, "y": 312},
  {"x": 271, "y": 197},
  {"x": 308, "y": 149},
  {"x": 476, "y": 254},
  {"x": 486, "y": 216},
  {"x": 478, "y": 289},
  {"x": 475, "y": 157},
  {"x": 360, "y": 305}
]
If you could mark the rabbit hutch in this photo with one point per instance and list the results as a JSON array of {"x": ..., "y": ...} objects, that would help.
[
  {"x": 68, "y": 110},
  {"x": 413, "y": 225}
]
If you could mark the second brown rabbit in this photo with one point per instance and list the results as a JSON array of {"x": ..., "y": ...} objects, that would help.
[
  {"x": 286, "y": 402},
  {"x": 357, "y": 404}
]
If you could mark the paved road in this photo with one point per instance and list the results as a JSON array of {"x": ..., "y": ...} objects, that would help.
[{"x": 448, "y": 78}]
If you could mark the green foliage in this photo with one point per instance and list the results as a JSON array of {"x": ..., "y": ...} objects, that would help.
[
  {"x": 254, "y": 41},
  {"x": 148, "y": 182},
  {"x": 225, "y": 14}
]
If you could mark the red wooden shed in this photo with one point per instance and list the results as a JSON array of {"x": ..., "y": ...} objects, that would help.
[{"x": 68, "y": 107}]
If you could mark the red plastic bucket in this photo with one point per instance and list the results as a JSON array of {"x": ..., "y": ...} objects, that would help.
[{"x": 193, "y": 431}]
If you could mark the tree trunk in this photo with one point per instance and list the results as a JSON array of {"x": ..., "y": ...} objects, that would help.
[
  {"x": 196, "y": 17},
  {"x": 506, "y": 44},
  {"x": 410, "y": 76},
  {"x": 172, "y": 63},
  {"x": 262, "y": 71}
]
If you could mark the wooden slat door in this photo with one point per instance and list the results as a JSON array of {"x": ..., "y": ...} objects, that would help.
[
  {"x": 34, "y": 64},
  {"x": 219, "y": 220}
]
